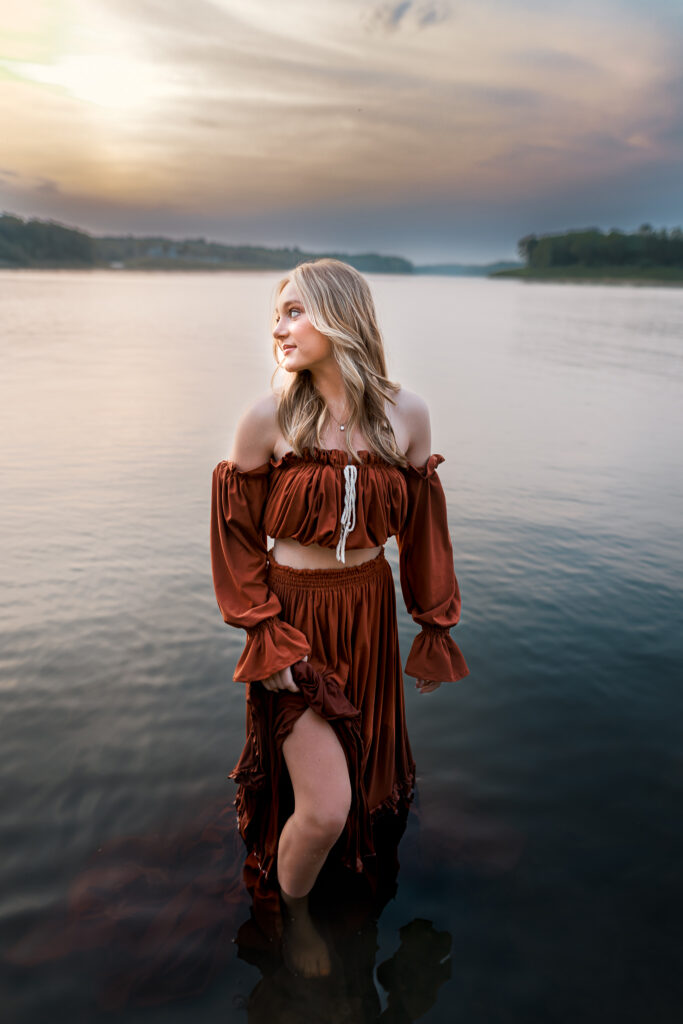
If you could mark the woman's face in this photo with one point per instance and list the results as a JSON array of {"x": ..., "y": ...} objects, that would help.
[{"x": 303, "y": 346}]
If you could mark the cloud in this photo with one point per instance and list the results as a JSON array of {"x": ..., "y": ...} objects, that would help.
[
  {"x": 553, "y": 60},
  {"x": 409, "y": 14},
  {"x": 300, "y": 114},
  {"x": 48, "y": 188}
]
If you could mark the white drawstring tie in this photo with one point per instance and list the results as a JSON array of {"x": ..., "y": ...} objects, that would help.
[{"x": 348, "y": 516}]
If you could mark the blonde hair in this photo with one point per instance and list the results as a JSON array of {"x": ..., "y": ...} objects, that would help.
[{"x": 338, "y": 302}]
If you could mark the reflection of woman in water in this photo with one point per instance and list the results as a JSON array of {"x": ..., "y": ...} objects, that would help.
[{"x": 330, "y": 467}]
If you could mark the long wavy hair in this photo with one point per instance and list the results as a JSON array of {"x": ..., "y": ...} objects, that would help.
[{"x": 338, "y": 302}]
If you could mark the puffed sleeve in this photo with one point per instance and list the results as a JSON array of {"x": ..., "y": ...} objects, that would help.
[
  {"x": 238, "y": 563},
  {"x": 428, "y": 581}
]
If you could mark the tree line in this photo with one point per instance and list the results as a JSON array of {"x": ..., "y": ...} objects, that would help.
[
  {"x": 36, "y": 243},
  {"x": 592, "y": 247},
  {"x": 43, "y": 243}
]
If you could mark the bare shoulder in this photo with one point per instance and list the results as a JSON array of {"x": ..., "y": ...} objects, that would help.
[
  {"x": 413, "y": 415},
  {"x": 255, "y": 433},
  {"x": 411, "y": 405}
]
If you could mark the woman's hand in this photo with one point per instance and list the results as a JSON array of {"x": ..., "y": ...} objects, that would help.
[
  {"x": 426, "y": 686},
  {"x": 282, "y": 680}
]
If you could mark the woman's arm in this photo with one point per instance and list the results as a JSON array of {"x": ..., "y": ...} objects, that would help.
[
  {"x": 239, "y": 554},
  {"x": 428, "y": 581},
  {"x": 415, "y": 418},
  {"x": 253, "y": 445}
]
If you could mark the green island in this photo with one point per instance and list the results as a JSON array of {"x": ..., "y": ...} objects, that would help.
[{"x": 645, "y": 256}]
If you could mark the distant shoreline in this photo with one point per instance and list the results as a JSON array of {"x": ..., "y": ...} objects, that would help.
[
  {"x": 668, "y": 276},
  {"x": 586, "y": 256},
  {"x": 559, "y": 276}
]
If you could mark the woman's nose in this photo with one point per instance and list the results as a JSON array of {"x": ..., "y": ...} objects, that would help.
[{"x": 279, "y": 331}]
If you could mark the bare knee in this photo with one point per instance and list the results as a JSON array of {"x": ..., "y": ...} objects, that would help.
[
  {"x": 320, "y": 779},
  {"x": 324, "y": 824}
]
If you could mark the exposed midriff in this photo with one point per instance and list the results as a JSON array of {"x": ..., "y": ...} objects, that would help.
[{"x": 313, "y": 556}]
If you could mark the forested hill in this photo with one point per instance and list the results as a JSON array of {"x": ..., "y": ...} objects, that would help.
[
  {"x": 37, "y": 243},
  {"x": 646, "y": 254}
]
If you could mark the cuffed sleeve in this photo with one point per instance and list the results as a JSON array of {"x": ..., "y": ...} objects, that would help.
[
  {"x": 238, "y": 563},
  {"x": 428, "y": 581}
]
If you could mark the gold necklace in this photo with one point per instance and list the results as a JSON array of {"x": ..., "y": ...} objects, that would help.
[{"x": 342, "y": 426}]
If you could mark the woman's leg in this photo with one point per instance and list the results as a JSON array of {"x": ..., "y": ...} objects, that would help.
[{"x": 322, "y": 799}]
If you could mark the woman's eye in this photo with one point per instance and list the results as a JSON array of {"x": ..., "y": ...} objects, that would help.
[{"x": 294, "y": 313}]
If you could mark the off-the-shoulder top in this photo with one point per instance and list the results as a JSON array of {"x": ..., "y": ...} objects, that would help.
[{"x": 322, "y": 497}]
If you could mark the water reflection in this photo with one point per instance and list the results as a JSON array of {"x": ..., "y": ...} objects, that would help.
[
  {"x": 346, "y": 909},
  {"x": 411, "y": 980},
  {"x": 152, "y": 918},
  {"x": 158, "y": 918}
]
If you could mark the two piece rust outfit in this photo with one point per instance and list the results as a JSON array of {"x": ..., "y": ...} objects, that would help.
[{"x": 343, "y": 619}]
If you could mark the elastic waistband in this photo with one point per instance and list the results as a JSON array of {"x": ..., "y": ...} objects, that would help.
[{"x": 314, "y": 578}]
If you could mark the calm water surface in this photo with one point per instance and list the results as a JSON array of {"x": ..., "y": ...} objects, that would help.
[{"x": 540, "y": 868}]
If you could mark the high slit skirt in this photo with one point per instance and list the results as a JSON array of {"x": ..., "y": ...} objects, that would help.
[{"x": 353, "y": 679}]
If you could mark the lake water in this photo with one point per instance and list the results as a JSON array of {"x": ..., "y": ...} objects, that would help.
[{"x": 540, "y": 870}]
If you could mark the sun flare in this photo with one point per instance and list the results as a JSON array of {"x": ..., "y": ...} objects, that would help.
[{"x": 113, "y": 82}]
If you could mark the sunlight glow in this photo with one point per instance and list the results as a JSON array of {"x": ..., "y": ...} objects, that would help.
[{"x": 114, "y": 82}]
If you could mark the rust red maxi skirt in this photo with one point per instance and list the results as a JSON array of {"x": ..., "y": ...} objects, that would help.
[{"x": 353, "y": 679}]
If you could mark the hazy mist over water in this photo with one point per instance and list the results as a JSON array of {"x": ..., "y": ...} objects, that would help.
[{"x": 547, "y": 839}]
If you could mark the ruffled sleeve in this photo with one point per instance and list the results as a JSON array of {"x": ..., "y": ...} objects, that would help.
[
  {"x": 238, "y": 564},
  {"x": 428, "y": 581}
]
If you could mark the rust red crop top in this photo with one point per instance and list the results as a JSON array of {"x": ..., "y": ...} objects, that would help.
[{"x": 320, "y": 497}]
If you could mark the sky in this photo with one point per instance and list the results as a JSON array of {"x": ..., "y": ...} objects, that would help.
[{"x": 439, "y": 130}]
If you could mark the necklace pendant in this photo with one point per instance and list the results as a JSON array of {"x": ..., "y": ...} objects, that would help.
[{"x": 341, "y": 426}]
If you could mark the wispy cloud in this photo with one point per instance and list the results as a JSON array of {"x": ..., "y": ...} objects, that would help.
[{"x": 407, "y": 14}]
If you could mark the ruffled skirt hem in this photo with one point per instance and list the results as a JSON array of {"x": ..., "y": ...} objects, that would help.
[{"x": 264, "y": 798}]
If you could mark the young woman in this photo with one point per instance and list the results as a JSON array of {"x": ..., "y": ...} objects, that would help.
[{"x": 329, "y": 467}]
